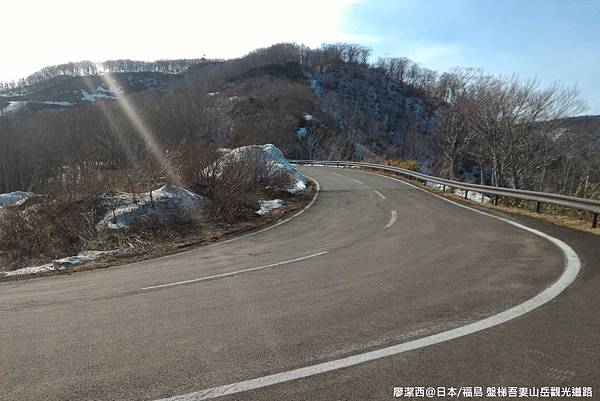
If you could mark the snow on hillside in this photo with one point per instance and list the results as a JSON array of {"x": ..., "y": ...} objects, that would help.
[
  {"x": 273, "y": 158},
  {"x": 15, "y": 198},
  {"x": 92, "y": 97},
  {"x": 12, "y": 107},
  {"x": 19, "y": 106},
  {"x": 167, "y": 203}
]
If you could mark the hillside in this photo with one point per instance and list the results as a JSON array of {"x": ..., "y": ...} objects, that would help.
[
  {"x": 361, "y": 112},
  {"x": 57, "y": 93},
  {"x": 582, "y": 125},
  {"x": 325, "y": 103}
]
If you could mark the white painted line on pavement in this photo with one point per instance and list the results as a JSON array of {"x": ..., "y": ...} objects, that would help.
[
  {"x": 229, "y": 274},
  {"x": 361, "y": 183},
  {"x": 380, "y": 194},
  {"x": 572, "y": 267},
  {"x": 393, "y": 219}
]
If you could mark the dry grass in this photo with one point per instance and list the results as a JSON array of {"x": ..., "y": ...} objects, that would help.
[
  {"x": 65, "y": 221},
  {"x": 175, "y": 238}
]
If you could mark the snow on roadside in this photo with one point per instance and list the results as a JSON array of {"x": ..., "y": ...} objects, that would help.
[
  {"x": 267, "y": 206},
  {"x": 274, "y": 159},
  {"x": 30, "y": 270},
  {"x": 15, "y": 198},
  {"x": 63, "y": 263},
  {"x": 169, "y": 202},
  {"x": 472, "y": 195}
]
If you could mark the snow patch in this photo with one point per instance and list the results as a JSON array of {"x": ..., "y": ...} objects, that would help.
[
  {"x": 63, "y": 263},
  {"x": 472, "y": 195},
  {"x": 267, "y": 206},
  {"x": 65, "y": 104},
  {"x": 301, "y": 133},
  {"x": 85, "y": 96},
  {"x": 31, "y": 270},
  {"x": 15, "y": 198},
  {"x": 13, "y": 107},
  {"x": 274, "y": 160},
  {"x": 167, "y": 203}
]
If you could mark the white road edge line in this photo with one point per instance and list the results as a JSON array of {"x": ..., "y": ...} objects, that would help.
[
  {"x": 380, "y": 194},
  {"x": 572, "y": 267},
  {"x": 392, "y": 219},
  {"x": 229, "y": 274}
]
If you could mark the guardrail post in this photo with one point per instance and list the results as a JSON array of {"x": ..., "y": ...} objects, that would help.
[
  {"x": 595, "y": 220},
  {"x": 466, "y": 194},
  {"x": 444, "y": 188},
  {"x": 496, "y": 199},
  {"x": 482, "y": 197},
  {"x": 538, "y": 207}
]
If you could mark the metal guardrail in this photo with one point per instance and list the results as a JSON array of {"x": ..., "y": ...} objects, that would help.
[{"x": 540, "y": 198}]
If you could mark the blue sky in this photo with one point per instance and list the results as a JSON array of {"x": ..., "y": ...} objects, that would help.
[{"x": 555, "y": 41}]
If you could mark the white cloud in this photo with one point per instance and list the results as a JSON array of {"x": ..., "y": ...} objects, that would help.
[
  {"x": 53, "y": 32},
  {"x": 437, "y": 56}
]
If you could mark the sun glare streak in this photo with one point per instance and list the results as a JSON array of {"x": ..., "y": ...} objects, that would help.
[
  {"x": 140, "y": 127},
  {"x": 109, "y": 118}
]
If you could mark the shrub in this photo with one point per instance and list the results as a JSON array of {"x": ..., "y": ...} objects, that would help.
[
  {"x": 234, "y": 185},
  {"x": 49, "y": 228},
  {"x": 412, "y": 165}
]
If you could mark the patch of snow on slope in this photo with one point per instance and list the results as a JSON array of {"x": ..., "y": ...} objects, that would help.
[
  {"x": 85, "y": 256},
  {"x": 267, "y": 206},
  {"x": 63, "y": 263},
  {"x": 472, "y": 195},
  {"x": 13, "y": 107},
  {"x": 274, "y": 159},
  {"x": 15, "y": 198},
  {"x": 56, "y": 103},
  {"x": 301, "y": 133},
  {"x": 168, "y": 203},
  {"x": 31, "y": 270},
  {"x": 85, "y": 96}
]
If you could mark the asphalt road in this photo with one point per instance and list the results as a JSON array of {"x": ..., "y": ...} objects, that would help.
[{"x": 372, "y": 264}]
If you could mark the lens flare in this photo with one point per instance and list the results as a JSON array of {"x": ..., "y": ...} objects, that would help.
[{"x": 141, "y": 129}]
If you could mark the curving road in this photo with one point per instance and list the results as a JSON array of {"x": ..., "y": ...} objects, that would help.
[{"x": 373, "y": 263}]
